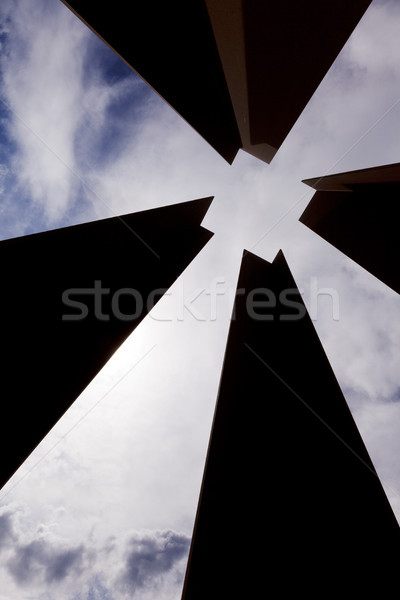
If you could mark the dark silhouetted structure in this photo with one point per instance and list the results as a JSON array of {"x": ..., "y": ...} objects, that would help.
[
  {"x": 290, "y": 503},
  {"x": 239, "y": 71},
  {"x": 69, "y": 298},
  {"x": 357, "y": 213}
]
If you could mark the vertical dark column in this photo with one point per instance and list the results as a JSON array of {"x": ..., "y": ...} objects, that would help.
[{"x": 290, "y": 501}]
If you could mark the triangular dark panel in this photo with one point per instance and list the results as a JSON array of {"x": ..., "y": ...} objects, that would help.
[
  {"x": 69, "y": 298},
  {"x": 291, "y": 505},
  {"x": 290, "y": 47},
  {"x": 357, "y": 212},
  {"x": 171, "y": 46}
]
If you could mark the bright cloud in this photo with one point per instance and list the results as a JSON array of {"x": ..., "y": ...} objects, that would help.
[
  {"x": 58, "y": 111},
  {"x": 42, "y": 73}
]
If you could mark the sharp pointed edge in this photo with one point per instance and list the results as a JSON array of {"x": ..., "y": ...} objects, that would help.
[
  {"x": 331, "y": 183},
  {"x": 201, "y": 206},
  {"x": 340, "y": 181},
  {"x": 306, "y": 212},
  {"x": 321, "y": 204},
  {"x": 191, "y": 212},
  {"x": 312, "y": 181},
  {"x": 280, "y": 258},
  {"x": 250, "y": 255},
  {"x": 251, "y": 261},
  {"x": 247, "y": 255}
]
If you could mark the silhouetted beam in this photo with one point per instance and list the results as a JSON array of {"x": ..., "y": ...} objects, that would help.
[
  {"x": 171, "y": 46},
  {"x": 239, "y": 71},
  {"x": 290, "y": 46},
  {"x": 69, "y": 298},
  {"x": 290, "y": 505},
  {"x": 356, "y": 212}
]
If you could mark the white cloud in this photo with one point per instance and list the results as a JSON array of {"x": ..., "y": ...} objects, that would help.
[
  {"x": 42, "y": 72},
  {"x": 141, "y": 564},
  {"x": 56, "y": 107}
]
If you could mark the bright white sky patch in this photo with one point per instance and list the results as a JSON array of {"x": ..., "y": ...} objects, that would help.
[{"x": 84, "y": 138}]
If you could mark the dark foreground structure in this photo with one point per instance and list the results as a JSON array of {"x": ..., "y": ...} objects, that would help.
[
  {"x": 69, "y": 299},
  {"x": 290, "y": 503},
  {"x": 357, "y": 213},
  {"x": 240, "y": 72}
]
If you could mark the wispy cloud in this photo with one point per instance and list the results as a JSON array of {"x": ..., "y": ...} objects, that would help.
[
  {"x": 42, "y": 68},
  {"x": 65, "y": 97}
]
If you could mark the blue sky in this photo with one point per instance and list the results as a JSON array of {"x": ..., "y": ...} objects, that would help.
[{"x": 82, "y": 138}]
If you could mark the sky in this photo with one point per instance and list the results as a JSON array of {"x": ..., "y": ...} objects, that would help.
[{"x": 104, "y": 507}]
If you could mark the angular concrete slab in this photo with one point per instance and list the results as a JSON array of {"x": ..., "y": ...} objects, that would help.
[
  {"x": 172, "y": 47},
  {"x": 356, "y": 212},
  {"x": 69, "y": 298},
  {"x": 290, "y": 505},
  {"x": 239, "y": 71}
]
